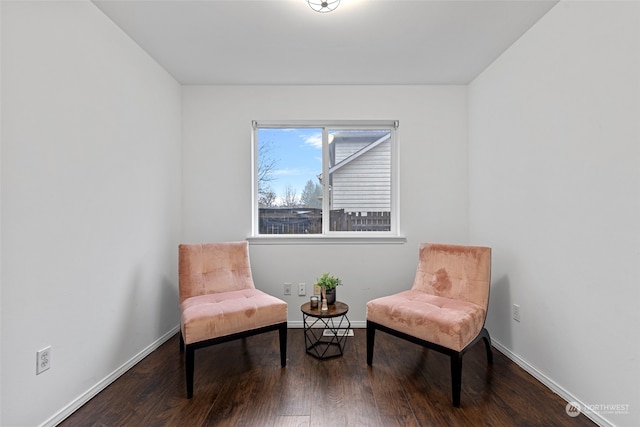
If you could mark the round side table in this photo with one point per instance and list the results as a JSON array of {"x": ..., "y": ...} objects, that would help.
[{"x": 325, "y": 332}]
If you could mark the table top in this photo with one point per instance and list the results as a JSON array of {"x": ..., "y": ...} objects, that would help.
[{"x": 335, "y": 310}]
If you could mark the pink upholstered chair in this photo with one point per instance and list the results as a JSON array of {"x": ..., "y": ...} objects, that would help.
[
  {"x": 445, "y": 310},
  {"x": 219, "y": 302}
]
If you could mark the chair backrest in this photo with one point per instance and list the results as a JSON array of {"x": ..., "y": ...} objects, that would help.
[
  {"x": 213, "y": 267},
  {"x": 454, "y": 271}
]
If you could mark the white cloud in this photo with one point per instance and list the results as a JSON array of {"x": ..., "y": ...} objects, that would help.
[
  {"x": 287, "y": 172},
  {"x": 314, "y": 140}
]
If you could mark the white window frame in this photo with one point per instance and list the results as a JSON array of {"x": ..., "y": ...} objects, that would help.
[{"x": 392, "y": 236}]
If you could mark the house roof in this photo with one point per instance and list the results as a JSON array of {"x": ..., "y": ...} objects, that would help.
[{"x": 372, "y": 138}]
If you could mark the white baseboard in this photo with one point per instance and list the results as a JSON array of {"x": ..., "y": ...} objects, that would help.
[
  {"x": 101, "y": 385},
  {"x": 549, "y": 383}
]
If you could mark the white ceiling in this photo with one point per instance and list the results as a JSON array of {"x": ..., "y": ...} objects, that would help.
[{"x": 362, "y": 42}]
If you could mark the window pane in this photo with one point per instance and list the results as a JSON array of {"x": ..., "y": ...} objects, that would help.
[
  {"x": 298, "y": 194},
  {"x": 289, "y": 189},
  {"x": 360, "y": 180}
]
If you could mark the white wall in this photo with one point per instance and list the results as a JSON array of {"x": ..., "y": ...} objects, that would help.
[
  {"x": 1, "y": 120},
  {"x": 90, "y": 203},
  {"x": 555, "y": 189},
  {"x": 433, "y": 173}
]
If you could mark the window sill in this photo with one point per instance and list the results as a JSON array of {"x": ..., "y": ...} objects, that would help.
[{"x": 326, "y": 240}]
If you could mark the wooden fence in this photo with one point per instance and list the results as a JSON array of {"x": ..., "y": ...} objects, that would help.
[{"x": 309, "y": 221}]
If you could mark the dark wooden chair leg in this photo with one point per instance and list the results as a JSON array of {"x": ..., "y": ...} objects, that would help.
[
  {"x": 181, "y": 341},
  {"x": 189, "y": 370},
  {"x": 456, "y": 378},
  {"x": 282, "y": 331},
  {"x": 487, "y": 344},
  {"x": 371, "y": 335}
]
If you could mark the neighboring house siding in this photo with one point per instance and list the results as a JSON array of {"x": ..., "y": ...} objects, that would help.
[{"x": 363, "y": 184}]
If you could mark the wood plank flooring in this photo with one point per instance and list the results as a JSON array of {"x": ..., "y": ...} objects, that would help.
[{"x": 241, "y": 383}]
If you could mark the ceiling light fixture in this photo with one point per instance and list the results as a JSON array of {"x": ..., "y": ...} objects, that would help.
[{"x": 323, "y": 6}]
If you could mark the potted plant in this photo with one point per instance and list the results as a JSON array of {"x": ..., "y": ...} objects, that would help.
[{"x": 328, "y": 283}]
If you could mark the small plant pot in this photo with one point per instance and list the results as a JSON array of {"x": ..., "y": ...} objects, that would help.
[{"x": 331, "y": 296}]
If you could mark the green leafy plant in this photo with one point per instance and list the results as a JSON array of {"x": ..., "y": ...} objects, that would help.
[{"x": 328, "y": 281}]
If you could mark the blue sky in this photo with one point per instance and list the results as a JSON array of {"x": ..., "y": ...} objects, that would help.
[{"x": 297, "y": 154}]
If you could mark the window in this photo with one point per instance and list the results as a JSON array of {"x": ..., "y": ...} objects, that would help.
[{"x": 325, "y": 179}]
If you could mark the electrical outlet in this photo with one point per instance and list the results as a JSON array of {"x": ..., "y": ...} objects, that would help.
[
  {"x": 516, "y": 312},
  {"x": 287, "y": 288},
  {"x": 302, "y": 289},
  {"x": 43, "y": 360}
]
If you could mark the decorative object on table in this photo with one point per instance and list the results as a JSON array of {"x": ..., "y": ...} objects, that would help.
[
  {"x": 315, "y": 300},
  {"x": 328, "y": 283}
]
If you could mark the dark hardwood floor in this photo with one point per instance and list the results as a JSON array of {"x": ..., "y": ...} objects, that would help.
[{"x": 241, "y": 383}]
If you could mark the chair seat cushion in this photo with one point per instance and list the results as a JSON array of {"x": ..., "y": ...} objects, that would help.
[
  {"x": 216, "y": 315},
  {"x": 449, "y": 323}
]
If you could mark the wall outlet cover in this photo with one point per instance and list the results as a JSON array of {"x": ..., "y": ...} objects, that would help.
[{"x": 43, "y": 360}]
